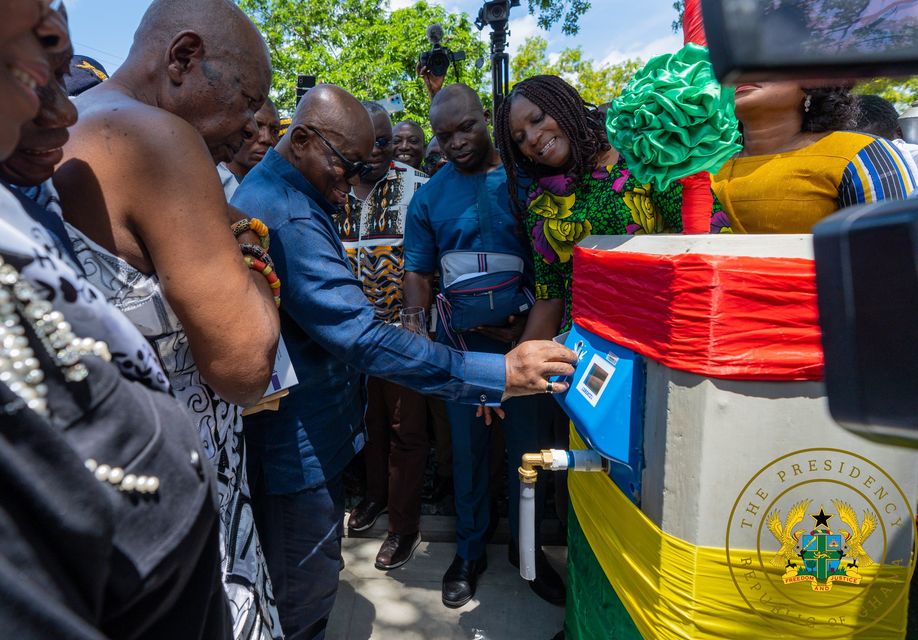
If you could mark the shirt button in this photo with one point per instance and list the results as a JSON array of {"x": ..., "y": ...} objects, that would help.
[
  {"x": 195, "y": 460},
  {"x": 483, "y": 398}
]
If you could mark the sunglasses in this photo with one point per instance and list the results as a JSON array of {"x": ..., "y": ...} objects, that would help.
[{"x": 351, "y": 169}]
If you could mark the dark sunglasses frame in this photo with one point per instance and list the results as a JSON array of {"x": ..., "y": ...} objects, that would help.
[{"x": 351, "y": 169}]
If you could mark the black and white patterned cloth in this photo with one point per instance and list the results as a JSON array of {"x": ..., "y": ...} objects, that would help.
[
  {"x": 33, "y": 251},
  {"x": 140, "y": 298}
]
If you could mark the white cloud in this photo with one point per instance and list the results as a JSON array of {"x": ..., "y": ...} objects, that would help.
[
  {"x": 667, "y": 44},
  {"x": 520, "y": 29},
  {"x": 395, "y": 5}
]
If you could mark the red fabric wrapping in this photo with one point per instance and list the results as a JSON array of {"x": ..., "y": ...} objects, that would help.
[
  {"x": 697, "y": 202},
  {"x": 692, "y": 26},
  {"x": 729, "y": 317}
]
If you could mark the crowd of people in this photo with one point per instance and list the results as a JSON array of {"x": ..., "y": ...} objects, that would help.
[{"x": 160, "y": 238}]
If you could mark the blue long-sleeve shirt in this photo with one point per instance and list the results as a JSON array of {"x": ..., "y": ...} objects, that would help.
[{"x": 334, "y": 338}]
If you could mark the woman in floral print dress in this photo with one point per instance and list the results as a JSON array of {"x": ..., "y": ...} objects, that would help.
[{"x": 578, "y": 185}]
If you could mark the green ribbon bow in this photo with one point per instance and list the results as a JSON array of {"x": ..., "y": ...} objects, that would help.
[{"x": 674, "y": 119}]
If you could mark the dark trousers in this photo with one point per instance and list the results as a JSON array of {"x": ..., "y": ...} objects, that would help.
[
  {"x": 396, "y": 452},
  {"x": 443, "y": 442},
  {"x": 300, "y": 536},
  {"x": 527, "y": 429},
  {"x": 442, "y": 439}
]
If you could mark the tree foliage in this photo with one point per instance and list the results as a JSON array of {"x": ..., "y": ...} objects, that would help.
[
  {"x": 679, "y": 7},
  {"x": 902, "y": 92},
  {"x": 361, "y": 46},
  {"x": 596, "y": 83},
  {"x": 567, "y": 12}
]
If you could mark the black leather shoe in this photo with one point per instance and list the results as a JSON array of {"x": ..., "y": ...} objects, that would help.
[
  {"x": 460, "y": 580},
  {"x": 548, "y": 585},
  {"x": 396, "y": 550},
  {"x": 364, "y": 515}
]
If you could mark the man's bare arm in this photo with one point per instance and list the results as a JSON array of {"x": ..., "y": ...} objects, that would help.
[
  {"x": 159, "y": 184},
  {"x": 544, "y": 320},
  {"x": 417, "y": 290}
]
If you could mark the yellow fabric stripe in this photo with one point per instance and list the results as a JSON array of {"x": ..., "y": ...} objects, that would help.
[
  {"x": 866, "y": 180},
  {"x": 675, "y": 590}
]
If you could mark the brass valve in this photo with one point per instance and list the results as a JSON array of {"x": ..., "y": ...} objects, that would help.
[{"x": 532, "y": 461}]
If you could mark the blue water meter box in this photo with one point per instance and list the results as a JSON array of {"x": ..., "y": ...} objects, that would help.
[{"x": 605, "y": 402}]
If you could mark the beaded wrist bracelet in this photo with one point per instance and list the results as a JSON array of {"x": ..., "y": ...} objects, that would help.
[
  {"x": 267, "y": 271},
  {"x": 254, "y": 225},
  {"x": 256, "y": 252}
]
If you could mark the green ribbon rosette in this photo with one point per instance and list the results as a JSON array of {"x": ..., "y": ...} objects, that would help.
[{"x": 674, "y": 119}]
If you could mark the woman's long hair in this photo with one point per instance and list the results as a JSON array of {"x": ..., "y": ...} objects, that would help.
[{"x": 580, "y": 121}]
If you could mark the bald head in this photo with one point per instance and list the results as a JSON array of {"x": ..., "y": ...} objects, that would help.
[
  {"x": 408, "y": 143},
  {"x": 460, "y": 123},
  {"x": 457, "y": 97},
  {"x": 328, "y": 111},
  {"x": 219, "y": 22},
  {"x": 204, "y": 61},
  {"x": 335, "y": 112}
]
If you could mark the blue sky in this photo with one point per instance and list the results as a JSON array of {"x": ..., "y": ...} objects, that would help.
[{"x": 611, "y": 31}]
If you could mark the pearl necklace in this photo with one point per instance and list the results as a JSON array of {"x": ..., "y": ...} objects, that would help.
[{"x": 20, "y": 370}]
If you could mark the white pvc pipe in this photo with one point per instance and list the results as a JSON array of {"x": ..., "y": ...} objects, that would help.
[
  {"x": 527, "y": 531},
  {"x": 578, "y": 460}
]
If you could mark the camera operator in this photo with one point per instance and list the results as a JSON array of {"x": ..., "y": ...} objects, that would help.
[{"x": 433, "y": 65}]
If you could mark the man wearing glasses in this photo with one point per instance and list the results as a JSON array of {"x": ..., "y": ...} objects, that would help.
[
  {"x": 371, "y": 227},
  {"x": 334, "y": 337}
]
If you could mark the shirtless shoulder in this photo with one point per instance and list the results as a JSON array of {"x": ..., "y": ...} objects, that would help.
[{"x": 127, "y": 160}]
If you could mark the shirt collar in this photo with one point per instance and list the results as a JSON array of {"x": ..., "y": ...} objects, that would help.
[{"x": 292, "y": 176}]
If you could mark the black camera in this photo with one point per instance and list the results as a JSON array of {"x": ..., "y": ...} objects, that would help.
[
  {"x": 303, "y": 84},
  {"x": 438, "y": 59},
  {"x": 495, "y": 13}
]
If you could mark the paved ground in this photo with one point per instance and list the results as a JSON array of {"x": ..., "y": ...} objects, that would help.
[{"x": 404, "y": 604}]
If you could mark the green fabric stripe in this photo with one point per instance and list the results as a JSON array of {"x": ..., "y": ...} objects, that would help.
[{"x": 594, "y": 611}]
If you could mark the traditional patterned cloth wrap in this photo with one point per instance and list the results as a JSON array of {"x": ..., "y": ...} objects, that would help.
[{"x": 140, "y": 298}]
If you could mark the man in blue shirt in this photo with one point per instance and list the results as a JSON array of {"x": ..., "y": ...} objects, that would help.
[
  {"x": 334, "y": 337},
  {"x": 466, "y": 207}
]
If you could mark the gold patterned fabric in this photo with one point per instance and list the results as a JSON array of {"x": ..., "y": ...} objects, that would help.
[{"x": 373, "y": 231}]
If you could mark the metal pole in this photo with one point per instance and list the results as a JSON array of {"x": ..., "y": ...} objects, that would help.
[{"x": 500, "y": 65}]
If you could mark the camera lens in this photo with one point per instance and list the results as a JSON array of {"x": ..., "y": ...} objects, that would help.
[{"x": 497, "y": 12}]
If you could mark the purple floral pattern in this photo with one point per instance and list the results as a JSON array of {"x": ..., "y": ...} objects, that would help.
[{"x": 607, "y": 201}]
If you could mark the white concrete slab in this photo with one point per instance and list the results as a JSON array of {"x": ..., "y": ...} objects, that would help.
[
  {"x": 704, "y": 439},
  {"x": 405, "y": 604},
  {"x": 756, "y": 246}
]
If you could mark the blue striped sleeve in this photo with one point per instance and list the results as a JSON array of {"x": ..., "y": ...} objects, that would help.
[{"x": 877, "y": 172}]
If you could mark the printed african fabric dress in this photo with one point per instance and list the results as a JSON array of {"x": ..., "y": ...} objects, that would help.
[
  {"x": 373, "y": 233},
  {"x": 140, "y": 298},
  {"x": 608, "y": 201}
]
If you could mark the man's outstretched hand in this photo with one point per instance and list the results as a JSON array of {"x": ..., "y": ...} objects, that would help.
[{"x": 530, "y": 365}]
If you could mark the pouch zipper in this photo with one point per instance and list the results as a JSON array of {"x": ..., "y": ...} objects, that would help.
[{"x": 488, "y": 289}]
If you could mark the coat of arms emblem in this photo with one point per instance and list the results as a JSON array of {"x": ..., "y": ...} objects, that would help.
[{"x": 821, "y": 556}]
